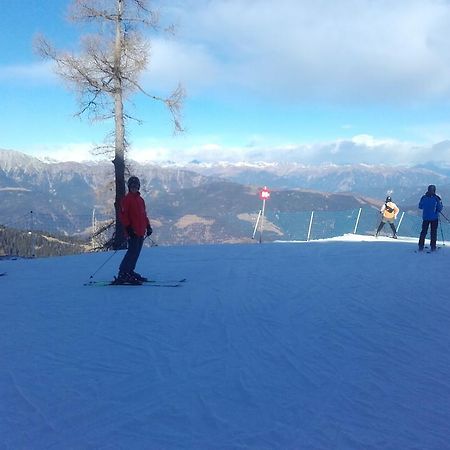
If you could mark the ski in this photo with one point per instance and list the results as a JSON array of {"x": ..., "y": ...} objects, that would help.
[
  {"x": 175, "y": 280},
  {"x": 110, "y": 283},
  {"x": 427, "y": 250},
  {"x": 153, "y": 283}
]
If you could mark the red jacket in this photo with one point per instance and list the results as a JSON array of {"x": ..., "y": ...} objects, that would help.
[{"x": 133, "y": 213}]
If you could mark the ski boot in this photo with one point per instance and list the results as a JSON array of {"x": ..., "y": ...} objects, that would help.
[
  {"x": 126, "y": 278},
  {"x": 138, "y": 276}
]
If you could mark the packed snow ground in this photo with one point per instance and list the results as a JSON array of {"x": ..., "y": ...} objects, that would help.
[{"x": 334, "y": 344}]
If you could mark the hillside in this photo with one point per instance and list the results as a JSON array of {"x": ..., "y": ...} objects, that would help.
[
  {"x": 185, "y": 207},
  {"x": 63, "y": 196},
  {"x": 360, "y": 179},
  {"x": 38, "y": 244},
  {"x": 337, "y": 344}
]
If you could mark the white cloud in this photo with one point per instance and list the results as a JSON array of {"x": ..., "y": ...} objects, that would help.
[
  {"x": 350, "y": 50},
  {"x": 172, "y": 62},
  {"x": 431, "y": 132},
  {"x": 305, "y": 52},
  {"x": 35, "y": 73},
  {"x": 358, "y": 149},
  {"x": 77, "y": 152}
]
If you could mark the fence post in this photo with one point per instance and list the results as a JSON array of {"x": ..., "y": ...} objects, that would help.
[
  {"x": 261, "y": 229},
  {"x": 32, "y": 242},
  {"x": 400, "y": 221},
  {"x": 256, "y": 225},
  {"x": 310, "y": 225},
  {"x": 357, "y": 221},
  {"x": 94, "y": 230}
]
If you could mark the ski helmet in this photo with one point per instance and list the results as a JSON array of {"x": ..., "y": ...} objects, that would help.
[
  {"x": 388, "y": 199},
  {"x": 432, "y": 189},
  {"x": 133, "y": 181}
]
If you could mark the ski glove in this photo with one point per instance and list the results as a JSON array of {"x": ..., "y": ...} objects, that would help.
[
  {"x": 149, "y": 230},
  {"x": 131, "y": 232}
]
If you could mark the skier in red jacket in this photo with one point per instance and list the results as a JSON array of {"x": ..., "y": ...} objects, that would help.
[{"x": 136, "y": 223}]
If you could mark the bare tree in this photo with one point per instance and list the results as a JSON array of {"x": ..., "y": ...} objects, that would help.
[{"x": 105, "y": 73}]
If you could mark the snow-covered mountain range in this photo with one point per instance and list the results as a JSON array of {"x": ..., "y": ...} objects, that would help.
[
  {"x": 199, "y": 202},
  {"x": 367, "y": 180}
]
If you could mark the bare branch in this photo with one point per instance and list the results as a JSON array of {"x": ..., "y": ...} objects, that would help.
[
  {"x": 174, "y": 103},
  {"x": 101, "y": 10},
  {"x": 135, "y": 119},
  {"x": 90, "y": 10}
]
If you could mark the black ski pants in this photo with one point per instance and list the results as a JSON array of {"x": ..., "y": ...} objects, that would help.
[
  {"x": 433, "y": 233},
  {"x": 380, "y": 227},
  {"x": 131, "y": 256}
]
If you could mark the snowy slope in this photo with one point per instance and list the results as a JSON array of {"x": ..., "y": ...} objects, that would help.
[{"x": 338, "y": 344}]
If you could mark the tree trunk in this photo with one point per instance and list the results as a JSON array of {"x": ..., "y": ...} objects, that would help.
[
  {"x": 104, "y": 88},
  {"x": 119, "y": 157}
]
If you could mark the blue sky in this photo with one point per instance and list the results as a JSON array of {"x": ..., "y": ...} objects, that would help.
[{"x": 310, "y": 81}]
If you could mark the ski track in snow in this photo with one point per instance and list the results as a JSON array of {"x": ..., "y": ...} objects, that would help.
[{"x": 319, "y": 345}]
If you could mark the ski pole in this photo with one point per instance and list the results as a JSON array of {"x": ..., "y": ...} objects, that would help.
[
  {"x": 153, "y": 243},
  {"x": 107, "y": 260},
  {"x": 446, "y": 218},
  {"x": 442, "y": 234}
]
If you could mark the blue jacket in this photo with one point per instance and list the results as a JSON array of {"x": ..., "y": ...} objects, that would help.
[{"x": 431, "y": 206}]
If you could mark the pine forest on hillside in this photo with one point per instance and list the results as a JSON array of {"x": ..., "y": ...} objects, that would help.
[{"x": 19, "y": 243}]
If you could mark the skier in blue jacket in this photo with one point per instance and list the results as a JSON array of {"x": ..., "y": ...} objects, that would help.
[{"x": 431, "y": 206}]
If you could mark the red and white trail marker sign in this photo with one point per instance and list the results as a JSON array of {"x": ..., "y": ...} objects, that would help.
[{"x": 264, "y": 193}]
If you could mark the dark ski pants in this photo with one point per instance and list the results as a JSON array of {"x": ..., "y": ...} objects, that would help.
[
  {"x": 433, "y": 233},
  {"x": 131, "y": 256},
  {"x": 382, "y": 225}
]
